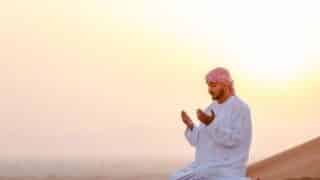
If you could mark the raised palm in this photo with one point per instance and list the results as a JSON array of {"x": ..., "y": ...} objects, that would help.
[
  {"x": 204, "y": 118},
  {"x": 186, "y": 119}
]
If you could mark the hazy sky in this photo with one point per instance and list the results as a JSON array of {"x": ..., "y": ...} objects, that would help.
[{"x": 108, "y": 79}]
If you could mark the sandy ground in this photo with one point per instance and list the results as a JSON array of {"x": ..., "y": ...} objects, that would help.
[{"x": 297, "y": 162}]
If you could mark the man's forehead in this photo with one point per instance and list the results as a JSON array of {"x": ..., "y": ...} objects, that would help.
[
  {"x": 215, "y": 84},
  {"x": 212, "y": 83}
]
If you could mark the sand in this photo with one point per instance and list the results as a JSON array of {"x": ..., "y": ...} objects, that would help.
[{"x": 300, "y": 162}]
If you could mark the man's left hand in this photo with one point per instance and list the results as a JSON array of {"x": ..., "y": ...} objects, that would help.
[{"x": 204, "y": 118}]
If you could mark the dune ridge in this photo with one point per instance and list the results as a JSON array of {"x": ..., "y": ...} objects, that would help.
[{"x": 301, "y": 162}]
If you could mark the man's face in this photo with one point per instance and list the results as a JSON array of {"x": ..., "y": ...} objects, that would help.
[{"x": 216, "y": 90}]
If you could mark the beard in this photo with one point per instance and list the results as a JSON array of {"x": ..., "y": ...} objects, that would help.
[{"x": 218, "y": 95}]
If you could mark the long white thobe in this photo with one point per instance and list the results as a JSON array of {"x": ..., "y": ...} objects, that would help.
[{"x": 222, "y": 147}]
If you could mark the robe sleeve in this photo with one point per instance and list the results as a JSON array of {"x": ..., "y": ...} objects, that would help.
[
  {"x": 229, "y": 134},
  {"x": 192, "y": 135}
]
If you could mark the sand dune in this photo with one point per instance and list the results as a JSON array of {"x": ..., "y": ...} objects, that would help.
[{"x": 301, "y": 162}]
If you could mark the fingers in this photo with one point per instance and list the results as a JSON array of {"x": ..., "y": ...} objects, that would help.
[
  {"x": 204, "y": 117},
  {"x": 185, "y": 117},
  {"x": 200, "y": 113},
  {"x": 184, "y": 114}
]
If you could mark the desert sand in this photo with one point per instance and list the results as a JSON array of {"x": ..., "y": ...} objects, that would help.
[{"x": 301, "y": 162}]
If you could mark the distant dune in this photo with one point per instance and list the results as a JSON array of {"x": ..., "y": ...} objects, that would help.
[{"x": 298, "y": 163}]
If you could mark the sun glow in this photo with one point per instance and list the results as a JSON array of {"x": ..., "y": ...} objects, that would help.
[
  {"x": 273, "y": 70},
  {"x": 272, "y": 45}
]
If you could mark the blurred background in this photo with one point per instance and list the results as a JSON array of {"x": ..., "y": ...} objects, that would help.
[{"x": 103, "y": 82}]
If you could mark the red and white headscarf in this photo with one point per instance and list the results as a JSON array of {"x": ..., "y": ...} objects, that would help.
[{"x": 221, "y": 75}]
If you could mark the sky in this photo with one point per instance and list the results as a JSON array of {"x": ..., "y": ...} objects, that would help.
[{"x": 108, "y": 79}]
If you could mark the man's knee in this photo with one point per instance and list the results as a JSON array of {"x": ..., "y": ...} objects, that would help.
[{"x": 178, "y": 175}]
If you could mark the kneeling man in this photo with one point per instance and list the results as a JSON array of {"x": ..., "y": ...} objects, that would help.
[{"x": 223, "y": 137}]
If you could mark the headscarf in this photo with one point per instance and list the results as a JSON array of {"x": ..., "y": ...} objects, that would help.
[{"x": 221, "y": 75}]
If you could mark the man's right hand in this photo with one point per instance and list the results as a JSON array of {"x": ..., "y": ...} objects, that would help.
[{"x": 186, "y": 120}]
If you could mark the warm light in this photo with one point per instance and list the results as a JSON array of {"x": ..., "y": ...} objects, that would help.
[{"x": 274, "y": 69}]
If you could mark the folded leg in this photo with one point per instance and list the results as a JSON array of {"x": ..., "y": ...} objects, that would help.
[
  {"x": 183, "y": 174},
  {"x": 188, "y": 173}
]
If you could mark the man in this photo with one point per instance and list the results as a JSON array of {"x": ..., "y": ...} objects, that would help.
[{"x": 223, "y": 137}]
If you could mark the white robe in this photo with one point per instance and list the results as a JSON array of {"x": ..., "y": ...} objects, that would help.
[{"x": 222, "y": 147}]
